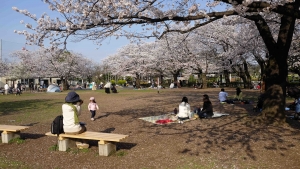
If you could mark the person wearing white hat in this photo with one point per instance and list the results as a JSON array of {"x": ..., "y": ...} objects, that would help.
[{"x": 93, "y": 107}]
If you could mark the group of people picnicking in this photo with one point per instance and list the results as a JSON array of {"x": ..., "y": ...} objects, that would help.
[{"x": 184, "y": 110}]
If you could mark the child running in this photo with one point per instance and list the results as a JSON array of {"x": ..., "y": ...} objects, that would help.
[{"x": 93, "y": 107}]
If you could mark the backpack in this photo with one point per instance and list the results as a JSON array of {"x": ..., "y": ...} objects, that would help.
[{"x": 57, "y": 125}]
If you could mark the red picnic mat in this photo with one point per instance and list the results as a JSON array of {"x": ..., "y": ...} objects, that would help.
[{"x": 164, "y": 121}]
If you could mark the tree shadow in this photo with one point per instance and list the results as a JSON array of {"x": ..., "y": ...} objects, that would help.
[
  {"x": 7, "y": 108},
  {"x": 108, "y": 130},
  {"x": 31, "y": 136},
  {"x": 225, "y": 134}
]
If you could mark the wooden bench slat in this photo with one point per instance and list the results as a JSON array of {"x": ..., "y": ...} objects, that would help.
[
  {"x": 93, "y": 136},
  {"x": 12, "y": 128},
  {"x": 111, "y": 135}
]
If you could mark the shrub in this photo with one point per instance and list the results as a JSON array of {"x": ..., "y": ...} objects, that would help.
[
  {"x": 121, "y": 82},
  {"x": 113, "y": 82}
]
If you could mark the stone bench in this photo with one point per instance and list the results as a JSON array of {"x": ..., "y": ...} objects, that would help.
[
  {"x": 106, "y": 141},
  {"x": 10, "y": 132}
]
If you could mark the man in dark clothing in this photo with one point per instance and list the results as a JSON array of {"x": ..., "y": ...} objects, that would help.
[
  {"x": 31, "y": 86},
  {"x": 19, "y": 88}
]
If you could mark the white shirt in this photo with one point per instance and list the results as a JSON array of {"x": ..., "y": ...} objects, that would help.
[
  {"x": 172, "y": 85},
  {"x": 69, "y": 120},
  {"x": 184, "y": 110},
  {"x": 223, "y": 96},
  {"x": 107, "y": 85},
  {"x": 6, "y": 87}
]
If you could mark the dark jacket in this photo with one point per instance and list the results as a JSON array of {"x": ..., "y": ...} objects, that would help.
[{"x": 207, "y": 108}]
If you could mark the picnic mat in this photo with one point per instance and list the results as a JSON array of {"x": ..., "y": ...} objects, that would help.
[{"x": 170, "y": 118}]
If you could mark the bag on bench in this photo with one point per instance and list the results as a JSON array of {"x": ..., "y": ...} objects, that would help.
[{"x": 57, "y": 125}]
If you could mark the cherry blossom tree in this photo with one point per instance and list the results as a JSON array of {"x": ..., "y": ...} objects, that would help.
[
  {"x": 294, "y": 55},
  {"x": 130, "y": 59},
  {"x": 50, "y": 63},
  {"x": 4, "y": 67},
  {"x": 96, "y": 20}
]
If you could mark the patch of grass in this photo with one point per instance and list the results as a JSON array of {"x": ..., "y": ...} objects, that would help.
[
  {"x": 17, "y": 140},
  {"x": 69, "y": 150},
  {"x": 77, "y": 150},
  {"x": 54, "y": 148},
  {"x": 5, "y": 163},
  {"x": 84, "y": 150},
  {"x": 121, "y": 153}
]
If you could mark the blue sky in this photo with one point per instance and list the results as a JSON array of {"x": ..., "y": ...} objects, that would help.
[{"x": 10, "y": 21}]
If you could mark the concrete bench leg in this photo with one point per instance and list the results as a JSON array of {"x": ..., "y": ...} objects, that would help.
[
  {"x": 63, "y": 144},
  {"x": 7, "y": 136},
  {"x": 106, "y": 148}
]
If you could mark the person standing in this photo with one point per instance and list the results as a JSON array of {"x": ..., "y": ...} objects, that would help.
[
  {"x": 93, "y": 107},
  {"x": 6, "y": 88},
  {"x": 31, "y": 86},
  {"x": 19, "y": 88},
  {"x": 36, "y": 87}
]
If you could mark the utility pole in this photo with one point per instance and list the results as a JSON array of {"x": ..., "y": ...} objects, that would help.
[
  {"x": 0, "y": 57},
  {"x": 0, "y": 49}
]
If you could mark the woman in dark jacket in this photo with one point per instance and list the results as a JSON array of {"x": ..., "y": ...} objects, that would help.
[{"x": 207, "y": 110}]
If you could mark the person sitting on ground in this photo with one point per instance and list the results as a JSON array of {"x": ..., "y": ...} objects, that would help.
[
  {"x": 207, "y": 110},
  {"x": 184, "y": 110},
  {"x": 260, "y": 102},
  {"x": 297, "y": 106},
  {"x": 113, "y": 89},
  {"x": 107, "y": 87},
  {"x": 215, "y": 85},
  {"x": 223, "y": 95},
  {"x": 70, "y": 111},
  {"x": 172, "y": 85},
  {"x": 239, "y": 95}
]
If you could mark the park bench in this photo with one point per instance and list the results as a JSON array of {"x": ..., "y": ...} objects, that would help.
[
  {"x": 10, "y": 131},
  {"x": 106, "y": 141}
]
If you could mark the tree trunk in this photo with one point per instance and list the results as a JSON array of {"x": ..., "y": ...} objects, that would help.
[
  {"x": 247, "y": 83},
  {"x": 226, "y": 76},
  {"x": 277, "y": 68},
  {"x": 138, "y": 81},
  {"x": 161, "y": 78},
  {"x": 64, "y": 82},
  {"x": 204, "y": 81},
  {"x": 175, "y": 77}
]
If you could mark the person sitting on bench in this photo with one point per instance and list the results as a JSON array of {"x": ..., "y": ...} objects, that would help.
[{"x": 71, "y": 110}]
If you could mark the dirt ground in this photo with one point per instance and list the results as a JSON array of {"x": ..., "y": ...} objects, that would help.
[{"x": 224, "y": 142}]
